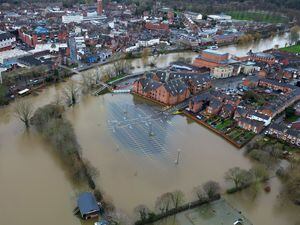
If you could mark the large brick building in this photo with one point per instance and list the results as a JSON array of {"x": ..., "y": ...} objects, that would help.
[
  {"x": 42, "y": 35},
  {"x": 263, "y": 57},
  {"x": 160, "y": 87},
  {"x": 210, "y": 59}
]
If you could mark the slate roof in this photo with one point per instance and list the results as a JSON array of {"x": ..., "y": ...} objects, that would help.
[
  {"x": 149, "y": 84},
  {"x": 176, "y": 87},
  {"x": 206, "y": 96},
  {"x": 215, "y": 104},
  {"x": 186, "y": 75},
  {"x": 254, "y": 123},
  {"x": 5, "y": 36},
  {"x": 162, "y": 75},
  {"x": 30, "y": 60},
  {"x": 87, "y": 203}
]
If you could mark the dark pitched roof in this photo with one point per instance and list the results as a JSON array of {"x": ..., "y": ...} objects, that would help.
[
  {"x": 30, "y": 60},
  {"x": 254, "y": 123},
  {"x": 162, "y": 75},
  {"x": 176, "y": 87},
  {"x": 5, "y": 36},
  {"x": 87, "y": 203},
  {"x": 202, "y": 97},
  {"x": 149, "y": 84},
  {"x": 215, "y": 103}
]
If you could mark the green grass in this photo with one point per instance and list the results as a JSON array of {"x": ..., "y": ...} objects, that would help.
[
  {"x": 113, "y": 79},
  {"x": 258, "y": 16},
  {"x": 292, "y": 49},
  {"x": 224, "y": 124}
]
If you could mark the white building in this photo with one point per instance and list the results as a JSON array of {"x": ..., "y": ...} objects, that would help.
[
  {"x": 260, "y": 117},
  {"x": 220, "y": 17},
  {"x": 72, "y": 18},
  {"x": 148, "y": 43},
  {"x": 222, "y": 72},
  {"x": 7, "y": 41}
]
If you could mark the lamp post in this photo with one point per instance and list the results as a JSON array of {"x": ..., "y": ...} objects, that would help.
[{"x": 178, "y": 157}]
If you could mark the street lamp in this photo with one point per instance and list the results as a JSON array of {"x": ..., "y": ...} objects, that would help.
[{"x": 178, "y": 156}]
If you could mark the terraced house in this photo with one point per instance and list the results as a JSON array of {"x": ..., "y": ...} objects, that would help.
[{"x": 284, "y": 133}]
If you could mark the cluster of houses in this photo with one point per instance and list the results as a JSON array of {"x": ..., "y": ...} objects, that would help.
[{"x": 250, "y": 118}]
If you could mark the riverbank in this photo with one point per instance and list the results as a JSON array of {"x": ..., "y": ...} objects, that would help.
[{"x": 292, "y": 49}]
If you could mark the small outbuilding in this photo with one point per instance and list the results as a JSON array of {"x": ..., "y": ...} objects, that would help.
[{"x": 88, "y": 206}]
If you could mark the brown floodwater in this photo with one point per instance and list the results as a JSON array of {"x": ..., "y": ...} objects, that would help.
[{"x": 34, "y": 188}]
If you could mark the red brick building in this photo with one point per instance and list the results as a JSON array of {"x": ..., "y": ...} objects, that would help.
[
  {"x": 251, "y": 125},
  {"x": 210, "y": 59},
  {"x": 263, "y": 57},
  {"x": 32, "y": 38},
  {"x": 274, "y": 85},
  {"x": 170, "y": 93},
  {"x": 157, "y": 26}
]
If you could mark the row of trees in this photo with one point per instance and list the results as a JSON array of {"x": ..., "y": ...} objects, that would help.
[
  {"x": 173, "y": 200},
  {"x": 239, "y": 178}
]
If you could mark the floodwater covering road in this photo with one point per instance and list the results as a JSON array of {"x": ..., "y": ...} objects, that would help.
[{"x": 34, "y": 188}]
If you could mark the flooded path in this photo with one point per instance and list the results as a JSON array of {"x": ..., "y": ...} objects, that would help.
[{"x": 35, "y": 190}]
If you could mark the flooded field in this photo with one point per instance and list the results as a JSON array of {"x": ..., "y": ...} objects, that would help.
[{"x": 134, "y": 167}]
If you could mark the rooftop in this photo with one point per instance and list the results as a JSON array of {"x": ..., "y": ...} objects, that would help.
[{"x": 87, "y": 203}]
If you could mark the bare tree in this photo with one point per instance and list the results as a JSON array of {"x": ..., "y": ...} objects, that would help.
[
  {"x": 239, "y": 177},
  {"x": 57, "y": 100},
  {"x": 142, "y": 211},
  {"x": 177, "y": 198},
  {"x": 164, "y": 202},
  {"x": 212, "y": 189},
  {"x": 200, "y": 193},
  {"x": 121, "y": 67},
  {"x": 259, "y": 173},
  {"x": 71, "y": 93},
  {"x": 145, "y": 56},
  {"x": 88, "y": 82},
  {"x": 98, "y": 76},
  {"x": 107, "y": 74},
  {"x": 294, "y": 35},
  {"x": 24, "y": 111}
]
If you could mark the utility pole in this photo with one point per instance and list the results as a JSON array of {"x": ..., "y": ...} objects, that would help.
[{"x": 178, "y": 157}]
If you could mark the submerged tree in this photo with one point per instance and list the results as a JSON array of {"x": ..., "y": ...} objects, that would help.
[
  {"x": 240, "y": 177},
  {"x": 164, "y": 202},
  {"x": 88, "y": 82},
  {"x": 177, "y": 198},
  {"x": 142, "y": 212},
  {"x": 200, "y": 193},
  {"x": 71, "y": 93},
  {"x": 121, "y": 67},
  {"x": 24, "y": 111},
  {"x": 145, "y": 56},
  {"x": 212, "y": 189}
]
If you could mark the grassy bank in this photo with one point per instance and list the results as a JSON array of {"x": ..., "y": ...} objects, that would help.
[
  {"x": 292, "y": 49},
  {"x": 258, "y": 16}
]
